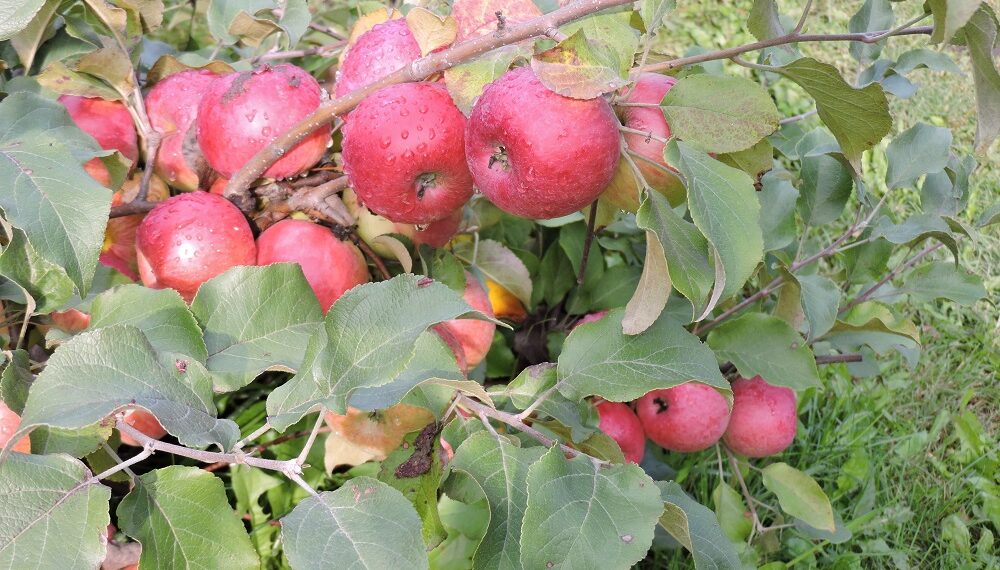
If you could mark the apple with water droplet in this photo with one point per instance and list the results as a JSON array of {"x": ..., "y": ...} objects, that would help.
[
  {"x": 172, "y": 106},
  {"x": 110, "y": 123}
]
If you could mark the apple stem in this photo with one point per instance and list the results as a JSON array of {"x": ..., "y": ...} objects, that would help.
[
  {"x": 587, "y": 240},
  {"x": 648, "y": 135},
  {"x": 152, "y": 139}
]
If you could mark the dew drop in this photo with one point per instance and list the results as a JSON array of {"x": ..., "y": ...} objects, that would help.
[
  {"x": 251, "y": 116},
  {"x": 405, "y": 134},
  {"x": 386, "y": 142},
  {"x": 431, "y": 134}
]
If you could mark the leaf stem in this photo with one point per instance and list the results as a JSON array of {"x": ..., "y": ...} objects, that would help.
[
  {"x": 864, "y": 295},
  {"x": 587, "y": 241}
]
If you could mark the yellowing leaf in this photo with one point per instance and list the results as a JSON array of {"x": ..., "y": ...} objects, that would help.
[{"x": 430, "y": 30}]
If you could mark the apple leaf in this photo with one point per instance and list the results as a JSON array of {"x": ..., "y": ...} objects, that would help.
[
  {"x": 921, "y": 149},
  {"x": 652, "y": 292},
  {"x": 588, "y": 516},
  {"x": 578, "y": 68},
  {"x": 55, "y": 515},
  {"x": 731, "y": 511},
  {"x": 27, "y": 41},
  {"x": 719, "y": 113},
  {"x": 599, "y": 359},
  {"x": 981, "y": 36},
  {"x": 256, "y": 319},
  {"x": 874, "y": 16},
  {"x": 799, "y": 495},
  {"x": 182, "y": 518},
  {"x": 950, "y": 16},
  {"x": 222, "y": 13},
  {"x": 759, "y": 344},
  {"x": 819, "y": 299},
  {"x": 431, "y": 31},
  {"x": 580, "y": 417},
  {"x": 75, "y": 442},
  {"x": 500, "y": 468},
  {"x": 755, "y": 160},
  {"x": 414, "y": 469},
  {"x": 498, "y": 263},
  {"x": 363, "y": 524},
  {"x": 466, "y": 81},
  {"x": 764, "y": 21},
  {"x": 777, "y": 198},
  {"x": 16, "y": 379},
  {"x": 943, "y": 280},
  {"x": 43, "y": 281},
  {"x": 825, "y": 189},
  {"x": 697, "y": 529},
  {"x": 16, "y": 15}
]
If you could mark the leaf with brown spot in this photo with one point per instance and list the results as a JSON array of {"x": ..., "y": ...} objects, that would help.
[{"x": 578, "y": 68}]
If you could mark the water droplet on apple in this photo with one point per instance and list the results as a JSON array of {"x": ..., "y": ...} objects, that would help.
[
  {"x": 405, "y": 134},
  {"x": 386, "y": 142},
  {"x": 422, "y": 108},
  {"x": 265, "y": 132},
  {"x": 251, "y": 116},
  {"x": 431, "y": 134}
]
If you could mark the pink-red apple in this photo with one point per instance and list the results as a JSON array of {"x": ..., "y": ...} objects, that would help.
[
  {"x": 110, "y": 123},
  {"x": 377, "y": 53},
  {"x": 650, "y": 88},
  {"x": 331, "y": 266},
  {"x": 70, "y": 320},
  {"x": 191, "y": 238},
  {"x": 590, "y": 318},
  {"x": 537, "y": 154},
  {"x": 145, "y": 422},
  {"x": 172, "y": 105},
  {"x": 370, "y": 226},
  {"x": 470, "y": 339},
  {"x": 403, "y": 151},
  {"x": 688, "y": 417},
  {"x": 118, "y": 251},
  {"x": 764, "y": 418},
  {"x": 9, "y": 422},
  {"x": 621, "y": 424},
  {"x": 241, "y": 113}
]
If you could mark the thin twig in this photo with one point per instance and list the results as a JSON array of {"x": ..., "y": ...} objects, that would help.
[
  {"x": 131, "y": 208},
  {"x": 253, "y": 435},
  {"x": 526, "y": 413},
  {"x": 371, "y": 255},
  {"x": 864, "y": 295},
  {"x": 260, "y": 447},
  {"x": 647, "y": 134},
  {"x": 152, "y": 148},
  {"x": 124, "y": 465},
  {"x": 111, "y": 453},
  {"x": 835, "y": 358},
  {"x": 757, "y": 526},
  {"x": 797, "y": 118},
  {"x": 312, "y": 438},
  {"x": 327, "y": 50},
  {"x": 802, "y": 19},
  {"x": 587, "y": 240}
]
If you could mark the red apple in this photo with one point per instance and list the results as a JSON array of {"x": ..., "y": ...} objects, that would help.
[
  {"x": 70, "y": 320},
  {"x": 9, "y": 422},
  {"x": 764, "y": 418},
  {"x": 651, "y": 88},
  {"x": 620, "y": 423},
  {"x": 110, "y": 123},
  {"x": 370, "y": 226},
  {"x": 590, "y": 318},
  {"x": 191, "y": 238},
  {"x": 688, "y": 417},
  {"x": 145, "y": 422},
  {"x": 403, "y": 151},
  {"x": 470, "y": 338},
  {"x": 118, "y": 251},
  {"x": 241, "y": 113},
  {"x": 377, "y": 53},
  {"x": 219, "y": 186},
  {"x": 172, "y": 105},
  {"x": 331, "y": 266},
  {"x": 537, "y": 154}
]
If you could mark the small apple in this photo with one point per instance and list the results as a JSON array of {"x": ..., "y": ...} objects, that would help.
[
  {"x": 70, "y": 320},
  {"x": 118, "y": 251},
  {"x": 241, "y": 113},
  {"x": 365, "y": 436},
  {"x": 9, "y": 422},
  {"x": 537, "y": 154},
  {"x": 331, "y": 266},
  {"x": 688, "y": 417},
  {"x": 172, "y": 105},
  {"x": 189, "y": 239},
  {"x": 403, "y": 151},
  {"x": 764, "y": 418},
  {"x": 590, "y": 318},
  {"x": 470, "y": 338},
  {"x": 370, "y": 226},
  {"x": 621, "y": 424},
  {"x": 110, "y": 123},
  {"x": 651, "y": 88},
  {"x": 377, "y": 53},
  {"x": 145, "y": 422}
]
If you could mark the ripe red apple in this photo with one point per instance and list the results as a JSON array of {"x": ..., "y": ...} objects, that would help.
[
  {"x": 370, "y": 226},
  {"x": 9, "y": 422},
  {"x": 145, "y": 422},
  {"x": 331, "y": 266},
  {"x": 172, "y": 105},
  {"x": 764, "y": 418},
  {"x": 470, "y": 338},
  {"x": 620, "y": 423},
  {"x": 377, "y": 53},
  {"x": 537, "y": 154},
  {"x": 118, "y": 251},
  {"x": 688, "y": 417},
  {"x": 191, "y": 238},
  {"x": 110, "y": 123},
  {"x": 70, "y": 320},
  {"x": 651, "y": 88},
  {"x": 403, "y": 151},
  {"x": 240, "y": 113}
]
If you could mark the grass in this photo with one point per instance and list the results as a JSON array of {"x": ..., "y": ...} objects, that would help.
[{"x": 909, "y": 457}]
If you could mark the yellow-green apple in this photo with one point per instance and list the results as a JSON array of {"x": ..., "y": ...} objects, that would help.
[
  {"x": 688, "y": 417},
  {"x": 172, "y": 105},
  {"x": 370, "y": 226},
  {"x": 470, "y": 339},
  {"x": 621, "y": 424},
  {"x": 110, "y": 123},
  {"x": 650, "y": 88},
  {"x": 764, "y": 418},
  {"x": 376, "y": 53}
]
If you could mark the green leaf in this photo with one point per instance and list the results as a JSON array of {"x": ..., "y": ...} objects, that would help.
[
  {"x": 364, "y": 524},
  {"x": 578, "y": 68},
  {"x": 652, "y": 292},
  {"x": 122, "y": 370},
  {"x": 921, "y": 149},
  {"x": 731, "y": 512},
  {"x": 874, "y": 16},
  {"x": 799, "y": 495},
  {"x": 414, "y": 469},
  {"x": 599, "y": 359},
  {"x": 755, "y": 160},
  {"x": 611, "y": 33},
  {"x": 182, "y": 518},
  {"x": 719, "y": 113},
  {"x": 923, "y": 58},
  {"x": 367, "y": 340},
  {"x": 943, "y": 280},
  {"x": 858, "y": 118},
  {"x": 256, "y": 319},
  {"x": 222, "y": 13},
  {"x": 696, "y": 528},
  {"x": 759, "y": 344},
  {"x": 777, "y": 198},
  {"x": 579, "y": 416},
  {"x": 27, "y": 41},
  {"x": 724, "y": 207},
  {"x": 466, "y": 81},
  {"x": 875, "y": 326},
  {"x": 60, "y": 208},
  {"x": 498, "y": 263},
  {"x": 653, "y": 12},
  {"x": 826, "y": 187},
  {"x": 583, "y": 515},
  {"x": 43, "y": 281},
  {"x": 820, "y": 299},
  {"x": 764, "y": 21},
  {"x": 950, "y": 16},
  {"x": 249, "y": 484},
  {"x": 981, "y": 37},
  {"x": 75, "y": 442},
  {"x": 16, "y": 15},
  {"x": 55, "y": 515},
  {"x": 15, "y": 380}
]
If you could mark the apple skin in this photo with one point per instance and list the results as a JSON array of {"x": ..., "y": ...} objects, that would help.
[
  {"x": 189, "y": 239},
  {"x": 219, "y": 186},
  {"x": 764, "y": 418},
  {"x": 470, "y": 338},
  {"x": 403, "y": 151},
  {"x": 377, "y": 53},
  {"x": 590, "y": 318},
  {"x": 621, "y": 424},
  {"x": 651, "y": 88},
  {"x": 688, "y": 417},
  {"x": 172, "y": 106},
  {"x": 331, "y": 266},
  {"x": 370, "y": 226},
  {"x": 146, "y": 423},
  {"x": 110, "y": 123},
  {"x": 9, "y": 422},
  {"x": 537, "y": 154},
  {"x": 70, "y": 320},
  {"x": 118, "y": 251},
  {"x": 241, "y": 113}
]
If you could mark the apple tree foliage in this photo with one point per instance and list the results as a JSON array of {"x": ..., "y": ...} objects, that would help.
[{"x": 780, "y": 259}]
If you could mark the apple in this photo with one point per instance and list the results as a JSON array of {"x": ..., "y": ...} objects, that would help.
[
  {"x": 377, "y": 53},
  {"x": 9, "y": 422},
  {"x": 172, "y": 105},
  {"x": 189, "y": 239},
  {"x": 470, "y": 338},
  {"x": 331, "y": 266},
  {"x": 110, "y": 123},
  {"x": 145, "y": 422},
  {"x": 688, "y": 417},
  {"x": 370, "y": 226},
  {"x": 241, "y": 113},
  {"x": 590, "y": 317},
  {"x": 363, "y": 436},
  {"x": 621, "y": 424},
  {"x": 219, "y": 186},
  {"x": 537, "y": 154},
  {"x": 504, "y": 304},
  {"x": 403, "y": 152},
  {"x": 118, "y": 250},
  {"x": 764, "y": 418},
  {"x": 651, "y": 88}
]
